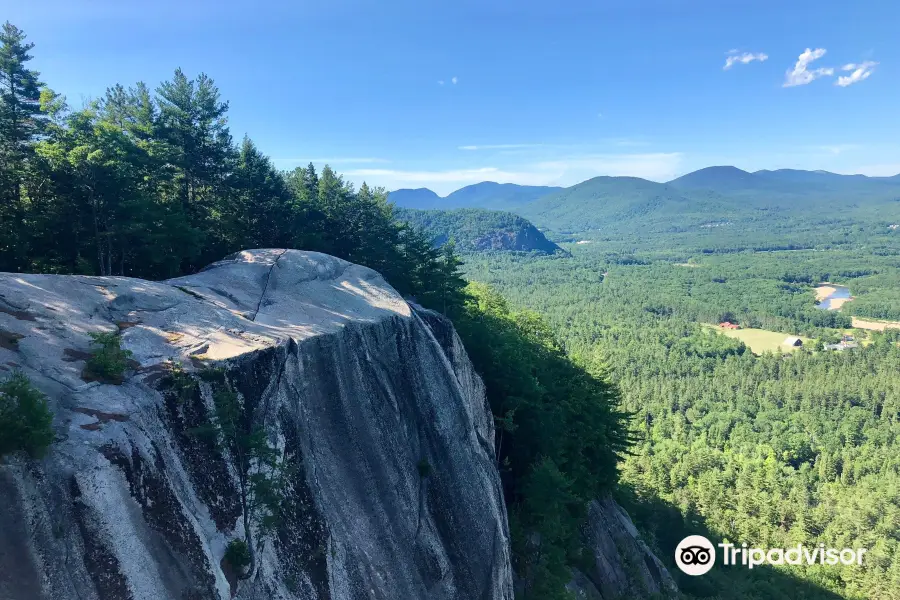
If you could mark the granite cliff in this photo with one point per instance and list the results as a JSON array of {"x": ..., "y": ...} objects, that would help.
[{"x": 356, "y": 388}]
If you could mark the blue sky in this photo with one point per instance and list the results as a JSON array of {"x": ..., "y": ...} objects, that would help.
[{"x": 445, "y": 94}]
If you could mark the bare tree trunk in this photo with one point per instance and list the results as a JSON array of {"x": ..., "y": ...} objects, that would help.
[{"x": 97, "y": 239}]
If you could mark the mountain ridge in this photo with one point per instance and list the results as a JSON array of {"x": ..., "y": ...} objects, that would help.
[
  {"x": 717, "y": 194},
  {"x": 486, "y": 194},
  {"x": 785, "y": 173}
]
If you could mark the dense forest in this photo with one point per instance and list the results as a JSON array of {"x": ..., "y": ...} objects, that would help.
[
  {"x": 767, "y": 450},
  {"x": 149, "y": 183}
]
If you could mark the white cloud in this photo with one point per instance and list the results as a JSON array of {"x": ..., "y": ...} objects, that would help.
[
  {"x": 440, "y": 82},
  {"x": 860, "y": 72},
  {"x": 454, "y": 80},
  {"x": 800, "y": 75},
  {"x": 745, "y": 58}
]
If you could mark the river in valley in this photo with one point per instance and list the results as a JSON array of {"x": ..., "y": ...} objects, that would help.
[{"x": 832, "y": 297}]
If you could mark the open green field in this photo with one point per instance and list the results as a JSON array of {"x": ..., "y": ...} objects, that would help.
[{"x": 760, "y": 340}]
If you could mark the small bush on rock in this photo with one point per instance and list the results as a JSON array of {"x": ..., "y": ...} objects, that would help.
[
  {"x": 25, "y": 420},
  {"x": 108, "y": 360},
  {"x": 237, "y": 555}
]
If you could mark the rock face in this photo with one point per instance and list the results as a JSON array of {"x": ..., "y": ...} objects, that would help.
[
  {"x": 479, "y": 230},
  {"x": 373, "y": 403},
  {"x": 527, "y": 238},
  {"x": 624, "y": 567}
]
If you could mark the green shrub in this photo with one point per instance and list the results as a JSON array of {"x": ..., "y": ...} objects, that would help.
[
  {"x": 237, "y": 555},
  {"x": 25, "y": 420},
  {"x": 108, "y": 360},
  {"x": 183, "y": 384}
]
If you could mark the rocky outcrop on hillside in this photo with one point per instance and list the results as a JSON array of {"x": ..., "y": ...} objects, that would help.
[
  {"x": 355, "y": 387},
  {"x": 479, "y": 230},
  {"x": 624, "y": 566},
  {"x": 526, "y": 238}
]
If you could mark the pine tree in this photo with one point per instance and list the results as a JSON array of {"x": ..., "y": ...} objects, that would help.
[
  {"x": 310, "y": 183},
  {"x": 194, "y": 128},
  {"x": 261, "y": 211},
  {"x": 21, "y": 121}
]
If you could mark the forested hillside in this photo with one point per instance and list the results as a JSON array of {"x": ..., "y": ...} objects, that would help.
[
  {"x": 790, "y": 188},
  {"x": 709, "y": 198},
  {"x": 765, "y": 450},
  {"x": 474, "y": 229},
  {"x": 611, "y": 203}
]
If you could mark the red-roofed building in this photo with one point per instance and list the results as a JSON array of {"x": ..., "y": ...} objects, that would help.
[{"x": 729, "y": 325}]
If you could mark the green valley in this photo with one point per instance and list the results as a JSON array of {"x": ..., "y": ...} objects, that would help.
[{"x": 747, "y": 441}]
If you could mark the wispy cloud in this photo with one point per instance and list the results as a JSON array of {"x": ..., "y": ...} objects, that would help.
[
  {"x": 458, "y": 176},
  {"x": 860, "y": 72},
  {"x": 658, "y": 166},
  {"x": 744, "y": 58},
  {"x": 627, "y": 142},
  {"x": 440, "y": 82},
  {"x": 499, "y": 146},
  {"x": 330, "y": 161},
  {"x": 621, "y": 142},
  {"x": 836, "y": 149},
  {"x": 565, "y": 171},
  {"x": 800, "y": 75},
  {"x": 454, "y": 80}
]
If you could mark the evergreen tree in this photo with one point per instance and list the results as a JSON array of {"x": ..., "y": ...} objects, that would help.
[
  {"x": 193, "y": 125},
  {"x": 21, "y": 122}
]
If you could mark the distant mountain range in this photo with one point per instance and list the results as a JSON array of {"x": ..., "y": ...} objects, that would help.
[
  {"x": 487, "y": 194},
  {"x": 784, "y": 182},
  {"x": 720, "y": 193}
]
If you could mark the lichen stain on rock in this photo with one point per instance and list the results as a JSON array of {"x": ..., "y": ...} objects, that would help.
[
  {"x": 201, "y": 457},
  {"x": 100, "y": 562},
  {"x": 10, "y": 340},
  {"x": 162, "y": 512},
  {"x": 302, "y": 534}
]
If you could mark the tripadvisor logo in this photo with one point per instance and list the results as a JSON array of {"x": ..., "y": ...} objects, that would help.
[{"x": 696, "y": 555}]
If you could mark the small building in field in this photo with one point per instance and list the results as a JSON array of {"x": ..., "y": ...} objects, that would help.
[
  {"x": 841, "y": 346},
  {"x": 793, "y": 341},
  {"x": 729, "y": 325}
]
